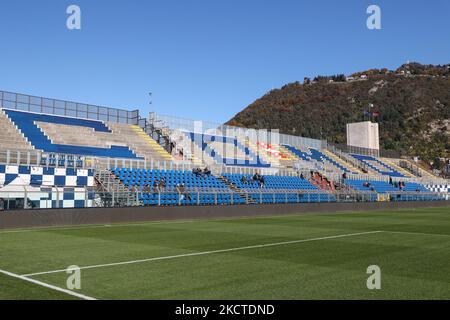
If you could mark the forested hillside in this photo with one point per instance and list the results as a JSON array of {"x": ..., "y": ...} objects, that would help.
[{"x": 411, "y": 104}]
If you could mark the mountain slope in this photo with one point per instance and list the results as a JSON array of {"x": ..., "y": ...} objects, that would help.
[{"x": 413, "y": 102}]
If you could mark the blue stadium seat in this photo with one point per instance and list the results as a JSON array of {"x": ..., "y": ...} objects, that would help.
[
  {"x": 316, "y": 155},
  {"x": 411, "y": 191},
  {"x": 202, "y": 189},
  {"x": 279, "y": 189},
  {"x": 388, "y": 170}
]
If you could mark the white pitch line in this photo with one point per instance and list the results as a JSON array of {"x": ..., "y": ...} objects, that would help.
[
  {"x": 205, "y": 253},
  {"x": 46, "y": 285},
  {"x": 95, "y": 226},
  {"x": 418, "y": 233}
]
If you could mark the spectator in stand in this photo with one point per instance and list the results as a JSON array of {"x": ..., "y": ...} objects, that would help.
[
  {"x": 262, "y": 182},
  {"x": 171, "y": 146},
  {"x": 244, "y": 180},
  {"x": 366, "y": 184},
  {"x": 182, "y": 191},
  {"x": 162, "y": 184},
  {"x": 390, "y": 180},
  {"x": 344, "y": 175},
  {"x": 206, "y": 171},
  {"x": 302, "y": 176},
  {"x": 156, "y": 187},
  {"x": 197, "y": 171}
]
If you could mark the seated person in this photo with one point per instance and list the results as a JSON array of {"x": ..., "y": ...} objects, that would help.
[
  {"x": 262, "y": 181},
  {"x": 155, "y": 187},
  {"x": 162, "y": 184}
]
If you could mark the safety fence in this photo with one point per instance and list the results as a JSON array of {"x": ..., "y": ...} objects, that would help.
[{"x": 59, "y": 198}]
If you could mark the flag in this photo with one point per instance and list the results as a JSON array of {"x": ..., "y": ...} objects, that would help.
[{"x": 376, "y": 114}]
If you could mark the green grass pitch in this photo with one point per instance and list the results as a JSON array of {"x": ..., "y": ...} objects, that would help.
[{"x": 312, "y": 256}]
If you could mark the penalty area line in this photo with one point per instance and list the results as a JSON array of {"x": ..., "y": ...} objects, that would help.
[
  {"x": 202, "y": 253},
  {"x": 46, "y": 285}
]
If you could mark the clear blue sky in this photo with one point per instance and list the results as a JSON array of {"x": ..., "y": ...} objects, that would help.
[{"x": 205, "y": 59}]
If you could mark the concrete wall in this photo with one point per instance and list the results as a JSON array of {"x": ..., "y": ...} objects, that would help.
[
  {"x": 363, "y": 135},
  {"x": 68, "y": 217}
]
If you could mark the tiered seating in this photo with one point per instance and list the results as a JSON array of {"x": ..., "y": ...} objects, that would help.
[
  {"x": 270, "y": 153},
  {"x": 122, "y": 135},
  {"x": 218, "y": 148},
  {"x": 11, "y": 138},
  {"x": 314, "y": 154},
  {"x": 377, "y": 186},
  {"x": 321, "y": 157},
  {"x": 322, "y": 182},
  {"x": 394, "y": 164},
  {"x": 204, "y": 189},
  {"x": 378, "y": 166},
  {"x": 412, "y": 186},
  {"x": 279, "y": 189},
  {"x": 301, "y": 154},
  {"x": 139, "y": 142},
  {"x": 411, "y": 191},
  {"x": 26, "y": 123}
]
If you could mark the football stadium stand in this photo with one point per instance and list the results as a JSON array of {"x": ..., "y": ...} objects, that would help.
[
  {"x": 67, "y": 135},
  {"x": 171, "y": 187},
  {"x": 278, "y": 189},
  {"x": 60, "y": 154},
  {"x": 324, "y": 157},
  {"x": 11, "y": 138},
  {"x": 378, "y": 166},
  {"x": 226, "y": 150}
]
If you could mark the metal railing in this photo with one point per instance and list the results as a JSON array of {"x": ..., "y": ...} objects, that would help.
[
  {"x": 263, "y": 135},
  {"x": 54, "y": 198},
  {"x": 24, "y": 102}
]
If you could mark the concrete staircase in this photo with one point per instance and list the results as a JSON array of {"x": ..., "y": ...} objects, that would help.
[
  {"x": 139, "y": 142},
  {"x": 343, "y": 163},
  {"x": 244, "y": 195},
  {"x": 113, "y": 192},
  {"x": 11, "y": 138},
  {"x": 351, "y": 161}
]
